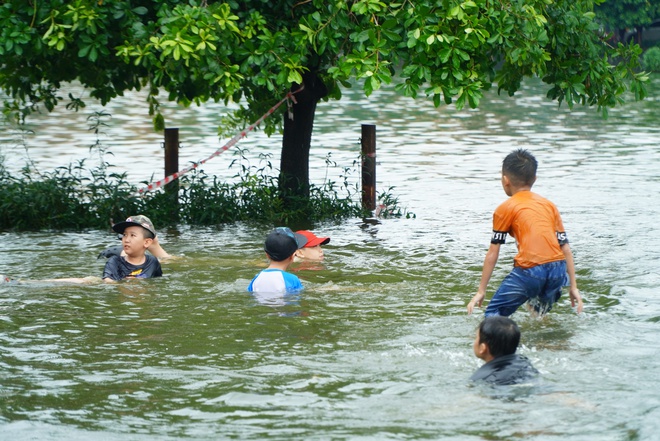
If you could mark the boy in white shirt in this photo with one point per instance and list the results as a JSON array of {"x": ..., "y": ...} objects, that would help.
[{"x": 280, "y": 246}]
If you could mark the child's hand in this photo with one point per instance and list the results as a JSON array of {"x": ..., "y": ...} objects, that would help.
[
  {"x": 576, "y": 299},
  {"x": 476, "y": 300},
  {"x": 157, "y": 251}
]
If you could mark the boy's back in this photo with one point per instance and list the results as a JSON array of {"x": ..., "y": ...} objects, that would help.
[
  {"x": 506, "y": 370},
  {"x": 536, "y": 225},
  {"x": 275, "y": 280}
]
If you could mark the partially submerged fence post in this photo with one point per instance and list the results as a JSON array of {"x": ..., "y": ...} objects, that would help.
[
  {"x": 172, "y": 166},
  {"x": 369, "y": 167}
]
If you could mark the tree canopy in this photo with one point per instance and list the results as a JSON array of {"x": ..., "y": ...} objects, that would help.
[{"x": 251, "y": 51}]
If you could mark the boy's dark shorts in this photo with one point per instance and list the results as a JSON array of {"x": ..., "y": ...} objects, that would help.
[{"x": 540, "y": 285}]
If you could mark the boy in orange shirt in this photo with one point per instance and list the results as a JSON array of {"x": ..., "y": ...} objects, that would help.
[{"x": 544, "y": 263}]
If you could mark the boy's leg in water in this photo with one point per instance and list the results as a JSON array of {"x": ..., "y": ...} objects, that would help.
[
  {"x": 556, "y": 279},
  {"x": 517, "y": 288}
]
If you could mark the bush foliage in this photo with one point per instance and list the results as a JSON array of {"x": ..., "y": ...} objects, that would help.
[
  {"x": 75, "y": 197},
  {"x": 651, "y": 59}
]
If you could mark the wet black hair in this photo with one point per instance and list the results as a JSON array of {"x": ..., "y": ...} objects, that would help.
[
  {"x": 520, "y": 167},
  {"x": 500, "y": 334}
]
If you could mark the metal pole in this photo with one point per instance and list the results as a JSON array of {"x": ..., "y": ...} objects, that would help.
[
  {"x": 172, "y": 164},
  {"x": 369, "y": 167}
]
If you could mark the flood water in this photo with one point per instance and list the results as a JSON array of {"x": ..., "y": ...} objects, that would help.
[{"x": 379, "y": 345}]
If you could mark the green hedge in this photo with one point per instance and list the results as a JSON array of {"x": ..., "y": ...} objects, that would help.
[
  {"x": 651, "y": 59},
  {"x": 75, "y": 197}
]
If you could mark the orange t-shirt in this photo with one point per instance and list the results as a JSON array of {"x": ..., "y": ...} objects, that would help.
[{"x": 536, "y": 225}]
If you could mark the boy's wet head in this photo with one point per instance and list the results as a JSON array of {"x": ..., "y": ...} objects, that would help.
[
  {"x": 281, "y": 243},
  {"x": 312, "y": 249},
  {"x": 520, "y": 167},
  {"x": 500, "y": 334},
  {"x": 139, "y": 221}
]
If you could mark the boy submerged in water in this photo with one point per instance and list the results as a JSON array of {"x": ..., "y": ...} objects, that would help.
[
  {"x": 280, "y": 246},
  {"x": 496, "y": 343},
  {"x": 544, "y": 258},
  {"x": 312, "y": 249},
  {"x": 155, "y": 249},
  {"x": 138, "y": 235}
]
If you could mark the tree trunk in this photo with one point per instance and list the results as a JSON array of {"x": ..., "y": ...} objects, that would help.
[{"x": 297, "y": 139}]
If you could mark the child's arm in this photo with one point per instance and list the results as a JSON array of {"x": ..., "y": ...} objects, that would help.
[
  {"x": 82, "y": 280},
  {"x": 573, "y": 292},
  {"x": 489, "y": 265},
  {"x": 157, "y": 251}
]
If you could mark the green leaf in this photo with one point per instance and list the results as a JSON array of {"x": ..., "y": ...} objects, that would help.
[
  {"x": 82, "y": 53},
  {"x": 375, "y": 83},
  {"x": 294, "y": 77},
  {"x": 390, "y": 23},
  {"x": 159, "y": 122},
  {"x": 444, "y": 55}
]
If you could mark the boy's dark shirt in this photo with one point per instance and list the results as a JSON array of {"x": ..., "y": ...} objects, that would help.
[
  {"x": 505, "y": 370},
  {"x": 117, "y": 268}
]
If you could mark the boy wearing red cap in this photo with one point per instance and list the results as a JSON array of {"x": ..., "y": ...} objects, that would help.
[{"x": 312, "y": 249}]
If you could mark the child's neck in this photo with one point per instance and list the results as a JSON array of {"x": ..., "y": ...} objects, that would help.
[
  {"x": 515, "y": 190},
  {"x": 136, "y": 260},
  {"x": 487, "y": 357},
  {"x": 281, "y": 265}
]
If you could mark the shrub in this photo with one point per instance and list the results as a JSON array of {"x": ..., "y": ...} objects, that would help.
[
  {"x": 74, "y": 197},
  {"x": 651, "y": 59}
]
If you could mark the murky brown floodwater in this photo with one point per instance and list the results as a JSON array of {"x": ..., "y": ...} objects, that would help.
[{"x": 379, "y": 344}]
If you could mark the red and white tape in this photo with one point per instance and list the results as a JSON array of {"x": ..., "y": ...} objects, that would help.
[{"x": 158, "y": 184}]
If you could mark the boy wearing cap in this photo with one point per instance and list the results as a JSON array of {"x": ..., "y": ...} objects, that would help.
[
  {"x": 312, "y": 249},
  {"x": 138, "y": 234},
  {"x": 280, "y": 246}
]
